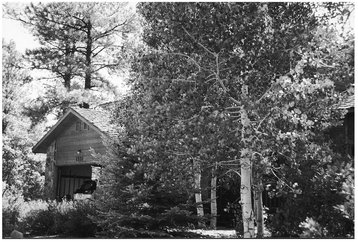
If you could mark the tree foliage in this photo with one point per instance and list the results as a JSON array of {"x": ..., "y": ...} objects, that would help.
[
  {"x": 265, "y": 63},
  {"x": 21, "y": 170}
]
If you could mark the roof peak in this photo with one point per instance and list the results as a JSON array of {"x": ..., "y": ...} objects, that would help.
[{"x": 99, "y": 118}]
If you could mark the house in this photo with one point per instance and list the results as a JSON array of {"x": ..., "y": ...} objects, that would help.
[
  {"x": 69, "y": 146},
  {"x": 348, "y": 125},
  {"x": 343, "y": 136}
]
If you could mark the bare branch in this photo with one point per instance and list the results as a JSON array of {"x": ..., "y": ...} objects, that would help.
[
  {"x": 185, "y": 120},
  {"x": 182, "y": 80},
  {"x": 258, "y": 126},
  {"x": 95, "y": 54},
  {"x": 209, "y": 51},
  {"x": 281, "y": 180},
  {"x": 234, "y": 171},
  {"x": 263, "y": 95},
  {"x": 226, "y": 161},
  {"x": 109, "y": 31},
  {"x": 190, "y": 58},
  {"x": 103, "y": 66}
]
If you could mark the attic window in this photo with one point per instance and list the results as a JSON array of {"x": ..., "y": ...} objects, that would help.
[{"x": 81, "y": 126}]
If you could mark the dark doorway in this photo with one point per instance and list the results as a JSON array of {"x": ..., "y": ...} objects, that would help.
[{"x": 70, "y": 178}]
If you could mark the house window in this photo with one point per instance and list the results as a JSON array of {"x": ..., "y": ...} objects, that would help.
[
  {"x": 79, "y": 156},
  {"x": 80, "y": 126}
]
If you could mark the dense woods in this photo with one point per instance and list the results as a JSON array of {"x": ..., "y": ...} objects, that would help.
[{"x": 228, "y": 122}]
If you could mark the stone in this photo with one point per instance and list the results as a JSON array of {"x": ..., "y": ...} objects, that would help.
[{"x": 16, "y": 234}]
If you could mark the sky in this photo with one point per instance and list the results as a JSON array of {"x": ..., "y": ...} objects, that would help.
[{"x": 13, "y": 30}]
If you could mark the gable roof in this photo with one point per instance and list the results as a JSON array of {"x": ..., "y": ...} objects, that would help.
[
  {"x": 347, "y": 103},
  {"x": 97, "y": 119}
]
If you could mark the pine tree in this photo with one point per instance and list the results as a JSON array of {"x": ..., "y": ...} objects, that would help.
[{"x": 79, "y": 42}]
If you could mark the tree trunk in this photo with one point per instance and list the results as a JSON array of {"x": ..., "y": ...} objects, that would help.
[
  {"x": 246, "y": 203},
  {"x": 197, "y": 187},
  {"x": 68, "y": 74},
  {"x": 70, "y": 50},
  {"x": 259, "y": 210},
  {"x": 246, "y": 177},
  {"x": 213, "y": 201},
  {"x": 88, "y": 71}
]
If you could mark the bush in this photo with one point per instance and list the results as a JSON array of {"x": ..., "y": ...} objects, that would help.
[
  {"x": 11, "y": 202},
  {"x": 77, "y": 221},
  {"x": 324, "y": 207},
  {"x": 39, "y": 222},
  {"x": 40, "y": 218},
  {"x": 9, "y": 220},
  {"x": 312, "y": 229}
]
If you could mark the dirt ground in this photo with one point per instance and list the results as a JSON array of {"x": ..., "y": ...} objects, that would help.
[{"x": 217, "y": 234}]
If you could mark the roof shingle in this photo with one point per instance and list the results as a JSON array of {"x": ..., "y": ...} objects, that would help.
[
  {"x": 347, "y": 103},
  {"x": 99, "y": 118}
]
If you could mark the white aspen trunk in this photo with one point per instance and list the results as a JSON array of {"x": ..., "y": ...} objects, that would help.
[
  {"x": 246, "y": 203},
  {"x": 197, "y": 187},
  {"x": 213, "y": 203},
  {"x": 246, "y": 174},
  {"x": 259, "y": 211}
]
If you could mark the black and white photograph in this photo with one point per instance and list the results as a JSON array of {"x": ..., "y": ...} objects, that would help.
[{"x": 178, "y": 120}]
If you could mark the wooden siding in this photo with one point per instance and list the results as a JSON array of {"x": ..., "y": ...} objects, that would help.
[
  {"x": 70, "y": 141},
  {"x": 349, "y": 132}
]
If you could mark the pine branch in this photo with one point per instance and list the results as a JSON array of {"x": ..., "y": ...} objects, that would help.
[{"x": 109, "y": 31}]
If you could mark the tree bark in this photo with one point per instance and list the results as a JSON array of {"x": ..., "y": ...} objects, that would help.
[
  {"x": 197, "y": 187},
  {"x": 89, "y": 42},
  {"x": 246, "y": 203},
  {"x": 259, "y": 210},
  {"x": 213, "y": 203},
  {"x": 67, "y": 75},
  {"x": 246, "y": 176},
  {"x": 70, "y": 49}
]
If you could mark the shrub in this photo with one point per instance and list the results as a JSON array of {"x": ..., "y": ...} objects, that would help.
[
  {"x": 30, "y": 206},
  {"x": 9, "y": 220},
  {"x": 77, "y": 221},
  {"x": 312, "y": 229},
  {"x": 11, "y": 202},
  {"x": 35, "y": 218},
  {"x": 39, "y": 222},
  {"x": 324, "y": 207},
  {"x": 176, "y": 216}
]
